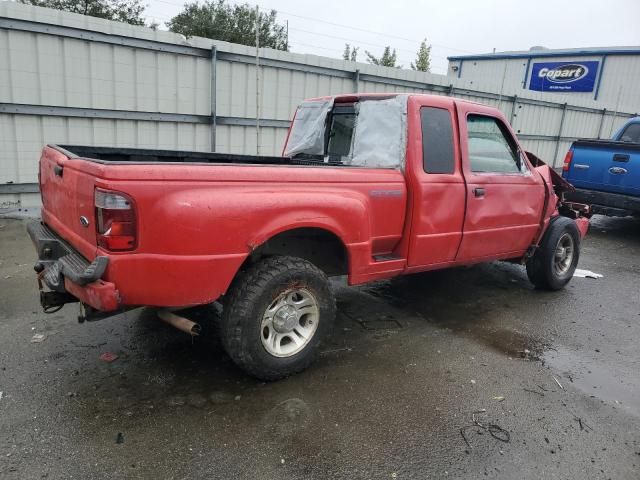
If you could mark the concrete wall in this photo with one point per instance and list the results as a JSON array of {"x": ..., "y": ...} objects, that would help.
[{"x": 67, "y": 78}]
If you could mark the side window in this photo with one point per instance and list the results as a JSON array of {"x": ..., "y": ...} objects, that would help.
[
  {"x": 437, "y": 140},
  {"x": 631, "y": 133},
  {"x": 491, "y": 147},
  {"x": 343, "y": 120}
]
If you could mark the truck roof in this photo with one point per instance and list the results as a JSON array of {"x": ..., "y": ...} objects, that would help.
[{"x": 354, "y": 97}]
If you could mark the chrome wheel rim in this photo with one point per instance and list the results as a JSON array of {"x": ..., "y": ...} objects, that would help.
[
  {"x": 289, "y": 322},
  {"x": 563, "y": 257}
]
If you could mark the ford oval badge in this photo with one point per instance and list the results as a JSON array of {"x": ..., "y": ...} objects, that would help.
[
  {"x": 617, "y": 170},
  {"x": 84, "y": 221}
]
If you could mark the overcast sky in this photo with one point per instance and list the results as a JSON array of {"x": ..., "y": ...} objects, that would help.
[{"x": 453, "y": 27}]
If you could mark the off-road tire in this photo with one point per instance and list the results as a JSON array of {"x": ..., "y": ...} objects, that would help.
[
  {"x": 246, "y": 301},
  {"x": 540, "y": 267}
]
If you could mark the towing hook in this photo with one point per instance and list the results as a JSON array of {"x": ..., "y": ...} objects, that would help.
[{"x": 51, "y": 302}]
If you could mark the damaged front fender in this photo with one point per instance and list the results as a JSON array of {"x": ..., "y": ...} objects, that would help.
[{"x": 559, "y": 184}]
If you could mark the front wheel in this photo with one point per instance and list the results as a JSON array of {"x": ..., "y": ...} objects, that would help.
[
  {"x": 275, "y": 315},
  {"x": 556, "y": 258}
]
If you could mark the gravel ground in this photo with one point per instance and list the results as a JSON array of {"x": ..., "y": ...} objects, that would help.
[{"x": 541, "y": 385}]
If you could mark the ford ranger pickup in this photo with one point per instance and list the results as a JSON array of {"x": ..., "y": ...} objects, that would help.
[{"x": 370, "y": 186}]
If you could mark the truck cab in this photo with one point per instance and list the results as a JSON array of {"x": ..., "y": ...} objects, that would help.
[{"x": 471, "y": 193}]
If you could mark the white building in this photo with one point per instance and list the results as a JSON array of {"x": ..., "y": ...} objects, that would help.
[{"x": 609, "y": 75}]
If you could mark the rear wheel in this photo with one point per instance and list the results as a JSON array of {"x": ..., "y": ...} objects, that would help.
[
  {"x": 275, "y": 315},
  {"x": 552, "y": 265}
]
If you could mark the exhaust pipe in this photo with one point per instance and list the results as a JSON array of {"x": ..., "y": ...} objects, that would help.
[{"x": 181, "y": 323}]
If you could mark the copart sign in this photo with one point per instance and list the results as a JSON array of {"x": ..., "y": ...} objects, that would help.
[{"x": 569, "y": 76}]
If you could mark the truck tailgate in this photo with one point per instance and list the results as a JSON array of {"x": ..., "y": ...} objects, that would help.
[
  {"x": 605, "y": 165},
  {"x": 68, "y": 200}
]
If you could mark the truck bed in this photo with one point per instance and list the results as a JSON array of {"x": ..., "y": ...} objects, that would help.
[
  {"x": 123, "y": 156},
  {"x": 605, "y": 166},
  {"x": 198, "y": 213},
  {"x": 606, "y": 144},
  {"x": 606, "y": 175}
]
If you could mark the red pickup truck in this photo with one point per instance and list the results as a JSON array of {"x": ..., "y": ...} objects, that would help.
[{"x": 370, "y": 186}]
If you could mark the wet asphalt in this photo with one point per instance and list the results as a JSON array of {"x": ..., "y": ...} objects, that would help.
[{"x": 464, "y": 373}]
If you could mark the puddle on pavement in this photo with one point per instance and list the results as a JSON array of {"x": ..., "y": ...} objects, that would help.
[
  {"x": 158, "y": 369},
  {"x": 482, "y": 303},
  {"x": 589, "y": 376},
  {"x": 163, "y": 387},
  {"x": 287, "y": 418},
  {"x": 164, "y": 372},
  {"x": 477, "y": 302},
  {"x": 628, "y": 227}
]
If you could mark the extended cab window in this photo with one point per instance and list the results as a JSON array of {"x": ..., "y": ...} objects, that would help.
[
  {"x": 491, "y": 147},
  {"x": 343, "y": 121},
  {"x": 437, "y": 140},
  {"x": 370, "y": 132},
  {"x": 631, "y": 133}
]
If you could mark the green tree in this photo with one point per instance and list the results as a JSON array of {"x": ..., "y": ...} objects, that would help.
[
  {"x": 127, "y": 11},
  {"x": 423, "y": 58},
  {"x": 388, "y": 58},
  {"x": 218, "y": 20},
  {"x": 350, "y": 53}
]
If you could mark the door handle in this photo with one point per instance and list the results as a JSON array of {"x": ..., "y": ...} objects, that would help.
[
  {"x": 478, "y": 192},
  {"x": 621, "y": 157}
]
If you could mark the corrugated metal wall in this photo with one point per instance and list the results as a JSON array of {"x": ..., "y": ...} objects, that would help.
[
  {"x": 618, "y": 84},
  {"x": 67, "y": 78}
]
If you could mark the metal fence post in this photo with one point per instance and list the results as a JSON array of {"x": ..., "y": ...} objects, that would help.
[
  {"x": 513, "y": 109},
  {"x": 258, "y": 99},
  {"x": 214, "y": 61},
  {"x": 356, "y": 81},
  {"x": 451, "y": 88},
  {"x": 615, "y": 112},
  {"x": 564, "y": 111},
  {"x": 604, "y": 114}
]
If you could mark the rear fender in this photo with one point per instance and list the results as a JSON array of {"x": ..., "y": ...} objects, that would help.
[
  {"x": 347, "y": 219},
  {"x": 344, "y": 216},
  {"x": 238, "y": 219}
]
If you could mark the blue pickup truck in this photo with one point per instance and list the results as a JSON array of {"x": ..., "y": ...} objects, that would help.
[{"x": 606, "y": 173}]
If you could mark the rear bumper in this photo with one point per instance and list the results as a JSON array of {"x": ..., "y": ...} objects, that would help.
[
  {"x": 63, "y": 270},
  {"x": 606, "y": 203}
]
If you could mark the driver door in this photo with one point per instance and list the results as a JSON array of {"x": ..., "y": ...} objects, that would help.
[{"x": 505, "y": 197}]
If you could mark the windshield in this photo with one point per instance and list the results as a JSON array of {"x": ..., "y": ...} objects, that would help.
[{"x": 368, "y": 133}]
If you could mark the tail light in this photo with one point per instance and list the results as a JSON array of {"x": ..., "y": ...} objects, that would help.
[
  {"x": 567, "y": 161},
  {"x": 115, "y": 221}
]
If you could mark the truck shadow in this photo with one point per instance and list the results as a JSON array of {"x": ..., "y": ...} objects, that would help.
[
  {"x": 161, "y": 368},
  {"x": 166, "y": 385},
  {"x": 484, "y": 302},
  {"x": 622, "y": 228}
]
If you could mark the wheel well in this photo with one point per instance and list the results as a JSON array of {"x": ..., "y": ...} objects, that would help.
[{"x": 322, "y": 248}]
